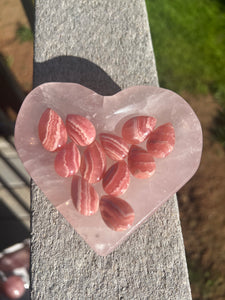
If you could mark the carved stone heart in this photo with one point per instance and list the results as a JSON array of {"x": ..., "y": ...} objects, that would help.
[{"x": 108, "y": 114}]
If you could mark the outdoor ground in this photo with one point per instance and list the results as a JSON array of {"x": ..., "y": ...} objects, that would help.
[
  {"x": 19, "y": 55},
  {"x": 201, "y": 200},
  {"x": 202, "y": 207}
]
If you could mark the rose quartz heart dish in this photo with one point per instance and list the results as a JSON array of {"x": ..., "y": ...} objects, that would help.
[{"x": 108, "y": 114}]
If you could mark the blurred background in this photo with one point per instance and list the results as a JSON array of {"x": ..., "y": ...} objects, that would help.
[
  {"x": 16, "y": 68},
  {"x": 189, "y": 45}
]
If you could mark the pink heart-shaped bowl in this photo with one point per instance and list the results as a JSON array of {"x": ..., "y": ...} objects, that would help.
[{"x": 108, "y": 114}]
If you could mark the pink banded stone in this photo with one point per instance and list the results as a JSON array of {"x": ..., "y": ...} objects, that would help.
[
  {"x": 80, "y": 130},
  {"x": 116, "y": 179},
  {"x": 115, "y": 147},
  {"x": 161, "y": 141},
  {"x": 67, "y": 160},
  {"x": 52, "y": 131},
  {"x": 140, "y": 163},
  {"x": 93, "y": 163},
  {"x": 137, "y": 129},
  {"x": 116, "y": 213},
  {"x": 84, "y": 196}
]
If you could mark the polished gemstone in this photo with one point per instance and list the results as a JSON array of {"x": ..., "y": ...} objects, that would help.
[
  {"x": 140, "y": 163},
  {"x": 52, "y": 130},
  {"x": 116, "y": 213},
  {"x": 137, "y": 129},
  {"x": 115, "y": 147},
  {"x": 84, "y": 196},
  {"x": 13, "y": 287},
  {"x": 80, "y": 130},
  {"x": 116, "y": 179},
  {"x": 67, "y": 160},
  {"x": 93, "y": 163},
  {"x": 161, "y": 141}
]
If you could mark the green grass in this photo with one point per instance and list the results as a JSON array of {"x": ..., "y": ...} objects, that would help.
[
  {"x": 9, "y": 60},
  {"x": 24, "y": 33},
  {"x": 189, "y": 46},
  {"x": 204, "y": 284},
  {"x": 189, "y": 43}
]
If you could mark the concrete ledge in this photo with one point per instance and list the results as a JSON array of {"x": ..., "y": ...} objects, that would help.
[{"x": 104, "y": 45}]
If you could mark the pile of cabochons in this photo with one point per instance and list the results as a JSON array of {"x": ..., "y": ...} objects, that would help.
[{"x": 116, "y": 212}]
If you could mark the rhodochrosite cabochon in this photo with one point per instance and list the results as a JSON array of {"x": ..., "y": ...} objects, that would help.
[
  {"x": 116, "y": 179},
  {"x": 116, "y": 213},
  {"x": 80, "y": 130},
  {"x": 84, "y": 196},
  {"x": 161, "y": 141},
  {"x": 67, "y": 160},
  {"x": 137, "y": 129},
  {"x": 141, "y": 163},
  {"x": 114, "y": 146},
  {"x": 93, "y": 163},
  {"x": 52, "y": 131},
  {"x": 109, "y": 114}
]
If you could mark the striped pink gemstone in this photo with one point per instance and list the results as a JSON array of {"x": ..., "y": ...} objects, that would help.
[
  {"x": 93, "y": 163},
  {"x": 137, "y": 129},
  {"x": 80, "y": 130},
  {"x": 84, "y": 196},
  {"x": 116, "y": 179},
  {"x": 161, "y": 141},
  {"x": 116, "y": 213},
  {"x": 52, "y": 131},
  {"x": 67, "y": 160},
  {"x": 115, "y": 147},
  {"x": 140, "y": 163}
]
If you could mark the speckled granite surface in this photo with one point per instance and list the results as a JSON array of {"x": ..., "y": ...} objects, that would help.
[{"x": 106, "y": 46}]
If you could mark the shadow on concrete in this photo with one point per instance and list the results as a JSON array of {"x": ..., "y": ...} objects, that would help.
[{"x": 77, "y": 70}]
